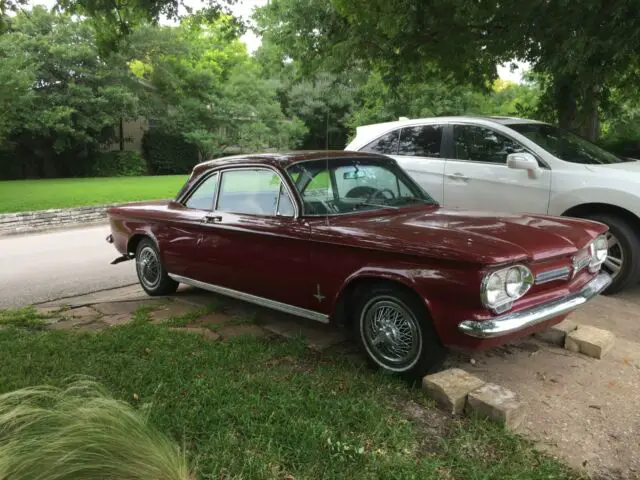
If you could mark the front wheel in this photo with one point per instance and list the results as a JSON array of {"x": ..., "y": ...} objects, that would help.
[
  {"x": 623, "y": 256},
  {"x": 394, "y": 329},
  {"x": 152, "y": 275}
]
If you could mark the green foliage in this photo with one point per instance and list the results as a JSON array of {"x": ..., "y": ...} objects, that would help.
[
  {"x": 255, "y": 409},
  {"x": 59, "y": 98},
  {"x": 118, "y": 164},
  {"x": 207, "y": 89},
  {"x": 28, "y": 195},
  {"x": 584, "y": 49},
  {"x": 27, "y": 317},
  {"x": 80, "y": 431},
  {"x": 114, "y": 21},
  {"x": 167, "y": 153}
]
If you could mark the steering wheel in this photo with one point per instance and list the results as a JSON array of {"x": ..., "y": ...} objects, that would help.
[
  {"x": 361, "y": 191},
  {"x": 382, "y": 191},
  {"x": 369, "y": 192}
]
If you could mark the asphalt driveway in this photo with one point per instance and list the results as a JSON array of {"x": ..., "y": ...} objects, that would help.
[{"x": 45, "y": 266}]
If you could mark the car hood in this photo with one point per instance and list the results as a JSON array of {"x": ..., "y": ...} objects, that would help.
[
  {"x": 470, "y": 236},
  {"x": 622, "y": 168}
]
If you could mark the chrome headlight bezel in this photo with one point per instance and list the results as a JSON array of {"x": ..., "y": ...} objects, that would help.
[
  {"x": 598, "y": 249},
  {"x": 498, "y": 290}
]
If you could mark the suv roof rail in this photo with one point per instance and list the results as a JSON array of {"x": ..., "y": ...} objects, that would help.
[{"x": 403, "y": 118}]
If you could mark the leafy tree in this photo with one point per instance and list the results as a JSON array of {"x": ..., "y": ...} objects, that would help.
[
  {"x": 59, "y": 98},
  {"x": 115, "y": 20},
  {"x": 582, "y": 49},
  {"x": 205, "y": 87}
]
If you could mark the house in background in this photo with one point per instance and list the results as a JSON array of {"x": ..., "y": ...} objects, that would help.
[{"x": 128, "y": 136}]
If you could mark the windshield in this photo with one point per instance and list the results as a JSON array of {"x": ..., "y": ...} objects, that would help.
[
  {"x": 566, "y": 146},
  {"x": 350, "y": 185}
]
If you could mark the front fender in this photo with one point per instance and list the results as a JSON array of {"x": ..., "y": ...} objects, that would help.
[
  {"x": 564, "y": 201},
  {"x": 367, "y": 274}
]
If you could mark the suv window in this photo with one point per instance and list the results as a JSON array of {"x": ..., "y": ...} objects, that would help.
[
  {"x": 203, "y": 197},
  {"x": 480, "y": 144},
  {"x": 387, "y": 144},
  {"x": 421, "y": 141},
  {"x": 255, "y": 192}
]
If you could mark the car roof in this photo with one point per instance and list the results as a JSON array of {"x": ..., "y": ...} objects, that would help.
[
  {"x": 503, "y": 120},
  {"x": 366, "y": 133},
  {"x": 285, "y": 159}
]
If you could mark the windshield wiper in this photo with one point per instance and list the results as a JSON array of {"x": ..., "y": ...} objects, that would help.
[
  {"x": 416, "y": 199},
  {"x": 367, "y": 204}
]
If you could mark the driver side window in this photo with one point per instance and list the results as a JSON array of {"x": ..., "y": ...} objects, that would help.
[{"x": 480, "y": 144}]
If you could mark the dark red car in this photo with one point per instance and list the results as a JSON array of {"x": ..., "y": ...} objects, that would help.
[{"x": 349, "y": 238}]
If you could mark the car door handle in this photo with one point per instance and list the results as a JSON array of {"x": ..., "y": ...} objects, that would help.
[
  {"x": 457, "y": 176},
  {"x": 211, "y": 219}
]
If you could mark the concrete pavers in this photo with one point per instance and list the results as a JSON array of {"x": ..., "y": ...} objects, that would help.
[
  {"x": 450, "y": 388},
  {"x": 591, "y": 341}
]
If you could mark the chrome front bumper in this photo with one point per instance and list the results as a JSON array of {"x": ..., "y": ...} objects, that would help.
[{"x": 513, "y": 322}]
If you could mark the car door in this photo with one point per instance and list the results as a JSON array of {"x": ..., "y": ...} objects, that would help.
[
  {"x": 418, "y": 150},
  {"x": 476, "y": 175},
  {"x": 255, "y": 238},
  {"x": 180, "y": 236}
]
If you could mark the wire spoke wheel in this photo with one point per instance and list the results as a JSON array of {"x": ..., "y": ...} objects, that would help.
[
  {"x": 148, "y": 267},
  {"x": 391, "y": 334},
  {"x": 615, "y": 256}
]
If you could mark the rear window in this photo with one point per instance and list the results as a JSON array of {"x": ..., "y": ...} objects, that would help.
[
  {"x": 421, "y": 141},
  {"x": 386, "y": 145}
]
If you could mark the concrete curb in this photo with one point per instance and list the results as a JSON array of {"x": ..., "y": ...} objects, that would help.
[{"x": 57, "y": 218}]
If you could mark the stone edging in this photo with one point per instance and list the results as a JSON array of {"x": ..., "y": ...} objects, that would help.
[
  {"x": 42, "y": 220},
  {"x": 459, "y": 392}
]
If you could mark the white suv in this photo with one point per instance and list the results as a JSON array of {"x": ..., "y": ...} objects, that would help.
[{"x": 520, "y": 166}]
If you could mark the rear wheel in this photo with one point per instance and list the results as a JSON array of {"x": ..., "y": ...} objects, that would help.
[
  {"x": 395, "y": 331},
  {"x": 623, "y": 256},
  {"x": 152, "y": 275}
]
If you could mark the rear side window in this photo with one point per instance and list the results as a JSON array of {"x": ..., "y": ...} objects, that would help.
[
  {"x": 421, "y": 141},
  {"x": 203, "y": 197},
  {"x": 386, "y": 145},
  {"x": 254, "y": 192}
]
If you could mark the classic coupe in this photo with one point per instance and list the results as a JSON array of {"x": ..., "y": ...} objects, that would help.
[{"x": 349, "y": 238}]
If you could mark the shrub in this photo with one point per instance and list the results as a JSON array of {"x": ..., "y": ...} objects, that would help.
[
  {"x": 168, "y": 153},
  {"x": 81, "y": 432},
  {"x": 118, "y": 164}
]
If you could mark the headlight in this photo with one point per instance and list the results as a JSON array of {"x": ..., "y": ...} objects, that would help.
[
  {"x": 501, "y": 288},
  {"x": 598, "y": 250}
]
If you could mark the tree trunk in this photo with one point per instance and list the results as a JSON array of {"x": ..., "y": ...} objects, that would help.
[
  {"x": 565, "y": 102},
  {"x": 589, "y": 114},
  {"x": 584, "y": 121},
  {"x": 121, "y": 134}
]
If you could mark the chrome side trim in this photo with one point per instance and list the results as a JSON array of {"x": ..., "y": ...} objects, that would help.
[
  {"x": 513, "y": 322},
  {"x": 562, "y": 273},
  {"x": 247, "y": 297}
]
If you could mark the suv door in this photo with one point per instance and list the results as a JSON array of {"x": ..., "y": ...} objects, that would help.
[
  {"x": 418, "y": 150},
  {"x": 477, "y": 176}
]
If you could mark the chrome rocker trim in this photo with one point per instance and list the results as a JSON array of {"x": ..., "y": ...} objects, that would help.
[
  {"x": 513, "y": 322},
  {"x": 247, "y": 297}
]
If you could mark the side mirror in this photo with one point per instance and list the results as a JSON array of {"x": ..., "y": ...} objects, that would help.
[{"x": 524, "y": 161}]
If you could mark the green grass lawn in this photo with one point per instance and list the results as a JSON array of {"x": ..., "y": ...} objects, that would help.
[
  {"x": 251, "y": 408},
  {"x": 26, "y": 195}
]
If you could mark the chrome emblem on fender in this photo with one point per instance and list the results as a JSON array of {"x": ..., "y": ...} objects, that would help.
[
  {"x": 319, "y": 295},
  {"x": 578, "y": 262},
  {"x": 574, "y": 266}
]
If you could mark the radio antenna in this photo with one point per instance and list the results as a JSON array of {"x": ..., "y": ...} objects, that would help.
[{"x": 326, "y": 149}]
